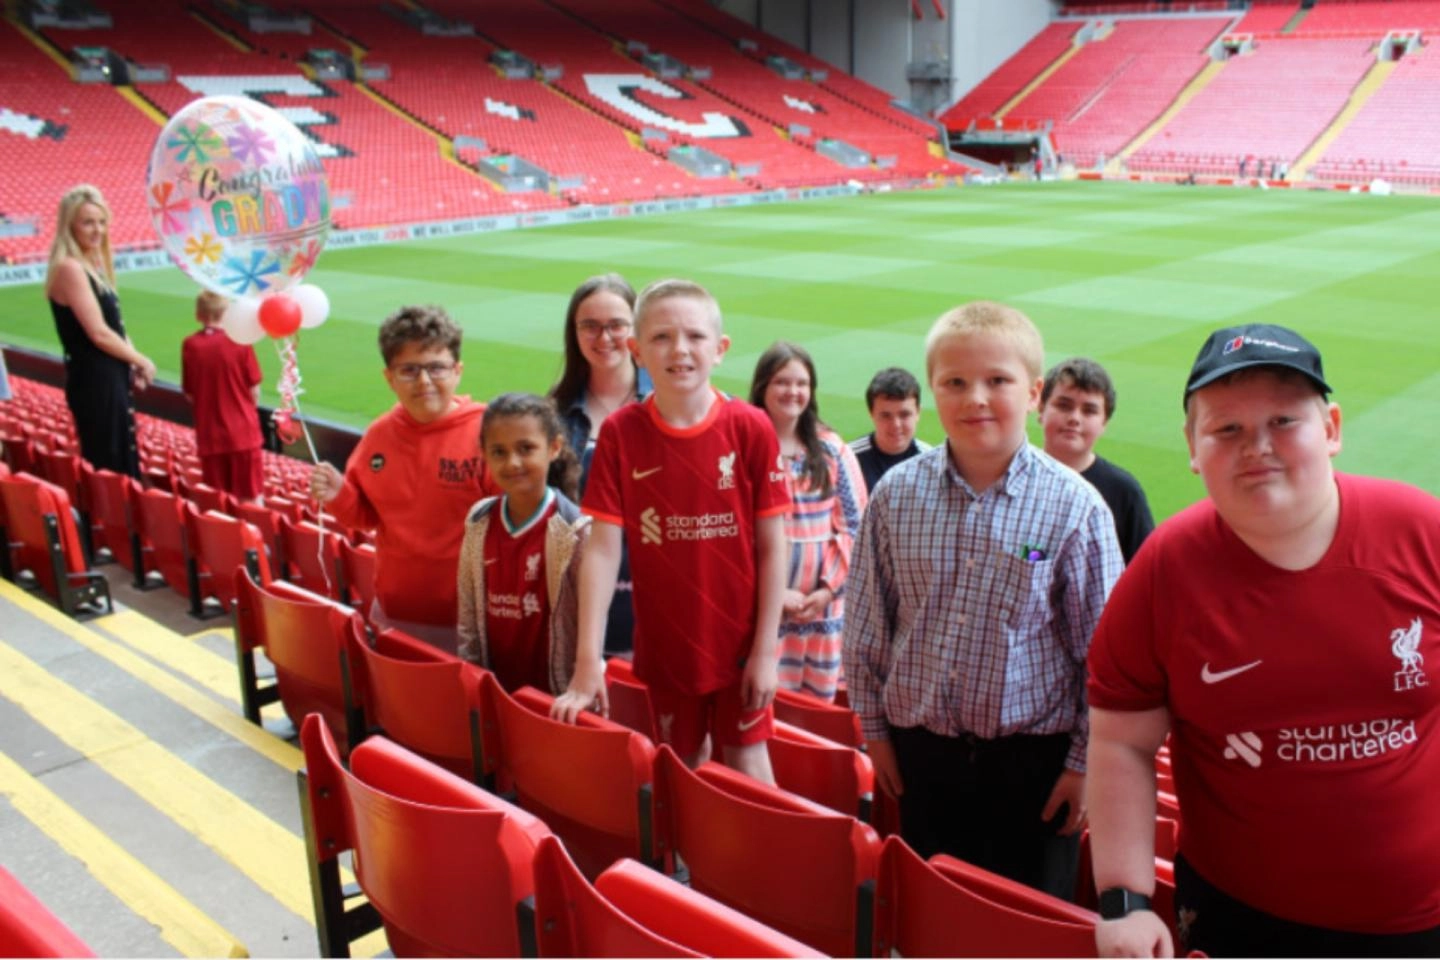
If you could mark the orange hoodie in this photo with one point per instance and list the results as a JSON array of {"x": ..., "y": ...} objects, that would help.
[{"x": 414, "y": 483}]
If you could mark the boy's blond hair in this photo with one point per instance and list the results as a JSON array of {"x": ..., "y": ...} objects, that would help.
[
  {"x": 668, "y": 289},
  {"x": 994, "y": 319},
  {"x": 210, "y": 304}
]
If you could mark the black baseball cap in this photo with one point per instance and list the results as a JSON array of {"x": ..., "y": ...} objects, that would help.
[{"x": 1254, "y": 345}]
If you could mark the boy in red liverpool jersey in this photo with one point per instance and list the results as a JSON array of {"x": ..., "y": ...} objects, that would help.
[
  {"x": 221, "y": 380},
  {"x": 690, "y": 480},
  {"x": 1285, "y": 634},
  {"x": 414, "y": 477}
]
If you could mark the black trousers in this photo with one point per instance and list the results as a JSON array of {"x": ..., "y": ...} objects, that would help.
[
  {"x": 1215, "y": 923},
  {"x": 981, "y": 800}
]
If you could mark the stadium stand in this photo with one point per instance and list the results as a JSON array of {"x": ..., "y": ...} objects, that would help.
[
  {"x": 1267, "y": 106},
  {"x": 990, "y": 94},
  {"x": 1115, "y": 86},
  {"x": 1393, "y": 136},
  {"x": 1267, "y": 17}
]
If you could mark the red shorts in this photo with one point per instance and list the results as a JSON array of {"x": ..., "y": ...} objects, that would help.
[
  {"x": 240, "y": 473},
  {"x": 683, "y": 719}
]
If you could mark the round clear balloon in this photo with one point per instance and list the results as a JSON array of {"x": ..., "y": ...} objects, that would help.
[{"x": 238, "y": 197}]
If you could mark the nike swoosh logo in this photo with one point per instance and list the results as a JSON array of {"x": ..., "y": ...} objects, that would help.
[
  {"x": 642, "y": 474},
  {"x": 1209, "y": 677},
  {"x": 746, "y": 725}
]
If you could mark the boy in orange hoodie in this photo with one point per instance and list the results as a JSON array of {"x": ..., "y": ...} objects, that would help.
[{"x": 414, "y": 476}]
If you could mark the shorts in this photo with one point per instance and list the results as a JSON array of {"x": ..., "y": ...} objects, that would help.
[
  {"x": 240, "y": 473},
  {"x": 683, "y": 719}
]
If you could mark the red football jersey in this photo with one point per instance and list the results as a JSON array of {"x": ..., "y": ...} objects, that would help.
[
  {"x": 688, "y": 501},
  {"x": 219, "y": 376},
  {"x": 1305, "y": 706},
  {"x": 517, "y": 605}
]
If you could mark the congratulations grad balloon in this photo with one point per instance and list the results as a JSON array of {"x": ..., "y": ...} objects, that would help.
[{"x": 238, "y": 196}]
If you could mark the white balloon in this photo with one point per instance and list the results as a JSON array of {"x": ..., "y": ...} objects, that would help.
[
  {"x": 314, "y": 305},
  {"x": 241, "y": 321}
]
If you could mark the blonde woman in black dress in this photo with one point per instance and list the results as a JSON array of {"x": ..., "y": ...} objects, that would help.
[{"x": 101, "y": 365}]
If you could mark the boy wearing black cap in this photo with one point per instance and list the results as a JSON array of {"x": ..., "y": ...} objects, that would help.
[{"x": 1284, "y": 633}]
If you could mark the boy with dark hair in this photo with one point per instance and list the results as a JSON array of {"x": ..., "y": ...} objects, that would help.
[
  {"x": 979, "y": 573},
  {"x": 1284, "y": 633},
  {"x": 414, "y": 477},
  {"x": 893, "y": 399},
  {"x": 692, "y": 480},
  {"x": 221, "y": 379},
  {"x": 1076, "y": 405}
]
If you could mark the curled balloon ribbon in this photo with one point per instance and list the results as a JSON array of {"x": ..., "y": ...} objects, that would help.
[{"x": 290, "y": 426}]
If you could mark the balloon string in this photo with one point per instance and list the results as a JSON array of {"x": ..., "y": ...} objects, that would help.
[{"x": 287, "y": 415}]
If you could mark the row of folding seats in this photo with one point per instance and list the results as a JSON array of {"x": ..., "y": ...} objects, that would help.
[{"x": 808, "y": 866}]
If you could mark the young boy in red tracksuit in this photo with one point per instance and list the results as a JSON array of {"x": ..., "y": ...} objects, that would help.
[
  {"x": 221, "y": 380},
  {"x": 414, "y": 477}
]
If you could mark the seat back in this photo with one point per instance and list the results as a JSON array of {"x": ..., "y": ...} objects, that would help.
[
  {"x": 446, "y": 865},
  {"x": 205, "y": 497},
  {"x": 306, "y": 643},
  {"x": 840, "y": 724},
  {"x": 63, "y": 470},
  {"x": 29, "y": 929},
  {"x": 309, "y": 556},
  {"x": 795, "y": 866},
  {"x": 920, "y": 913},
  {"x": 573, "y": 919},
  {"x": 356, "y": 566},
  {"x": 265, "y": 520},
  {"x": 1010, "y": 893},
  {"x": 419, "y": 697},
  {"x": 222, "y": 544},
  {"x": 629, "y": 699},
  {"x": 43, "y": 539},
  {"x": 108, "y": 494},
  {"x": 832, "y": 774},
  {"x": 158, "y": 519},
  {"x": 592, "y": 781},
  {"x": 673, "y": 910}
]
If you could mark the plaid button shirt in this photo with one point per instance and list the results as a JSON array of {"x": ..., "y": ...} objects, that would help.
[{"x": 973, "y": 613}]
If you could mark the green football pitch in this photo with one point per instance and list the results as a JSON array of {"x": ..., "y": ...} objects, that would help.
[{"x": 1131, "y": 275}]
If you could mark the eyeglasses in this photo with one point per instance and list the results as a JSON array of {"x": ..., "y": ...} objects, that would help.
[
  {"x": 591, "y": 329},
  {"x": 410, "y": 372}
]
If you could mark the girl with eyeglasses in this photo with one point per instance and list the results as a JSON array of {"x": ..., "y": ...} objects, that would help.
[{"x": 600, "y": 376}]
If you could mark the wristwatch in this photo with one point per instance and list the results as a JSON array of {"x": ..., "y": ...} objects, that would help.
[{"x": 1118, "y": 902}]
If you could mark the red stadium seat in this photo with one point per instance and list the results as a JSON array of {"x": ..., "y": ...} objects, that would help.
[
  {"x": 446, "y": 867},
  {"x": 919, "y": 912},
  {"x": 591, "y": 781},
  {"x": 573, "y": 919},
  {"x": 309, "y": 555},
  {"x": 109, "y": 495},
  {"x": 305, "y": 638},
  {"x": 265, "y": 520},
  {"x": 221, "y": 545},
  {"x": 421, "y": 698},
  {"x": 355, "y": 574},
  {"x": 809, "y": 713},
  {"x": 1009, "y": 893},
  {"x": 159, "y": 523},
  {"x": 40, "y": 537},
  {"x": 701, "y": 924},
  {"x": 831, "y": 774},
  {"x": 28, "y": 929},
  {"x": 65, "y": 470},
  {"x": 794, "y": 865},
  {"x": 629, "y": 699}
]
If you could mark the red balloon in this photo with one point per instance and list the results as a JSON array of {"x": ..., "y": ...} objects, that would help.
[{"x": 279, "y": 316}]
